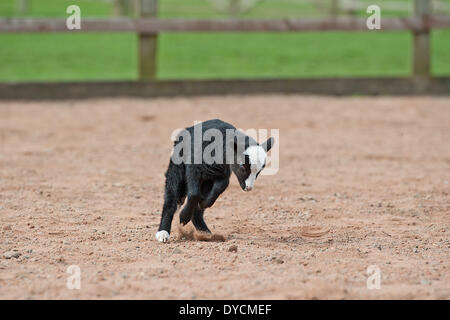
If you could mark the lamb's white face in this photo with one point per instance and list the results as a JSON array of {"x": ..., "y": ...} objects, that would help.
[{"x": 257, "y": 158}]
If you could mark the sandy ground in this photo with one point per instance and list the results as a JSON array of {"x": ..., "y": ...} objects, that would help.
[{"x": 81, "y": 183}]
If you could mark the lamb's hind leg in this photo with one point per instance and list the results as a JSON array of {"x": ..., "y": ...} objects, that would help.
[
  {"x": 188, "y": 211},
  {"x": 199, "y": 222},
  {"x": 197, "y": 219},
  {"x": 193, "y": 195}
]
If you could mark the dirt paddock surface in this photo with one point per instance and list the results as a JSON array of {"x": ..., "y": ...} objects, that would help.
[{"x": 81, "y": 183}]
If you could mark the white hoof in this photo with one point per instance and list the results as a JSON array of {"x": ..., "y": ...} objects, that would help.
[{"x": 162, "y": 236}]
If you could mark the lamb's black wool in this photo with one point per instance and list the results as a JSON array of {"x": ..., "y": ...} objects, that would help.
[{"x": 203, "y": 183}]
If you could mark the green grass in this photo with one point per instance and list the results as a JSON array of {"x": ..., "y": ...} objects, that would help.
[
  {"x": 77, "y": 57},
  {"x": 56, "y": 8},
  {"x": 284, "y": 55},
  {"x": 440, "y": 52},
  {"x": 52, "y": 57}
]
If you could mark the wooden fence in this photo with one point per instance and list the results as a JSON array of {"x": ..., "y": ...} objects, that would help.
[{"x": 148, "y": 27}]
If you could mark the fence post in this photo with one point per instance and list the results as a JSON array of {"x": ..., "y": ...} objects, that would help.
[
  {"x": 421, "y": 49},
  {"x": 24, "y": 7},
  {"x": 335, "y": 6},
  {"x": 121, "y": 8},
  {"x": 147, "y": 43}
]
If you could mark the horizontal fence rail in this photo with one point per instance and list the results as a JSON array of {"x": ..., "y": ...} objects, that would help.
[
  {"x": 173, "y": 88},
  {"x": 152, "y": 25}
]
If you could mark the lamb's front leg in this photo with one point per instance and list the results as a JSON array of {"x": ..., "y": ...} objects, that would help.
[{"x": 218, "y": 187}]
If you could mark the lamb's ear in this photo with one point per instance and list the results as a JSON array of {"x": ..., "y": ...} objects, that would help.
[{"x": 268, "y": 144}]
